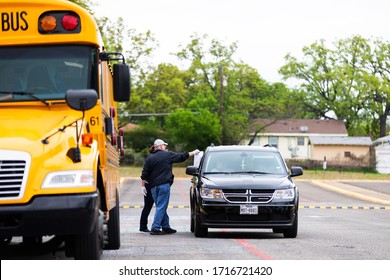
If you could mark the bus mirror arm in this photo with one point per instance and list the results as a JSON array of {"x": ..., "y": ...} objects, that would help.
[
  {"x": 80, "y": 100},
  {"x": 110, "y": 56},
  {"x": 121, "y": 74},
  {"x": 73, "y": 153},
  {"x": 62, "y": 129}
]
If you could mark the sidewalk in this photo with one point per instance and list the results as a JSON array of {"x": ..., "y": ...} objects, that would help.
[{"x": 353, "y": 191}]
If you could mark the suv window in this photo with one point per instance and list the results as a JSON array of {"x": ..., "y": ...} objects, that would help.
[{"x": 244, "y": 161}]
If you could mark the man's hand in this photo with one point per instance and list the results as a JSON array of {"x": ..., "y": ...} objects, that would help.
[{"x": 144, "y": 191}]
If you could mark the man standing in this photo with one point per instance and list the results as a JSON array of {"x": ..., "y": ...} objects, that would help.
[
  {"x": 148, "y": 203},
  {"x": 157, "y": 173}
]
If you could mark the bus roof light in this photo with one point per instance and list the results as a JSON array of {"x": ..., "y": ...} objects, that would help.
[
  {"x": 70, "y": 22},
  {"x": 59, "y": 22},
  {"x": 48, "y": 23}
]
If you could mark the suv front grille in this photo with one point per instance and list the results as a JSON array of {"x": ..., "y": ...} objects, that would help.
[
  {"x": 247, "y": 195},
  {"x": 12, "y": 174}
]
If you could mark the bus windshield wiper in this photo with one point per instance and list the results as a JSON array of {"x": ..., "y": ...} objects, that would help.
[{"x": 31, "y": 94}]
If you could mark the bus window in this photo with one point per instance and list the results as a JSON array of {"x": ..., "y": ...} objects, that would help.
[
  {"x": 39, "y": 80},
  {"x": 47, "y": 71}
]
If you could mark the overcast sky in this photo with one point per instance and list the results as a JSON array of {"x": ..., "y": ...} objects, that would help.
[{"x": 265, "y": 31}]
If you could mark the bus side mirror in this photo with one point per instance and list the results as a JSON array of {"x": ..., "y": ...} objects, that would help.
[
  {"x": 81, "y": 99},
  {"x": 121, "y": 82}
]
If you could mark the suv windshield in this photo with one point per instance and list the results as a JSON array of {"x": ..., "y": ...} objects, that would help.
[
  {"x": 45, "y": 72},
  {"x": 261, "y": 162}
]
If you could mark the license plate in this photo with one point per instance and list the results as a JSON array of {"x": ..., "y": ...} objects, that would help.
[{"x": 248, "y": 210}]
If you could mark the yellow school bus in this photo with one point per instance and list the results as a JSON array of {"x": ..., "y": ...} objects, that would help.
[{"x": 59, "y": 139}]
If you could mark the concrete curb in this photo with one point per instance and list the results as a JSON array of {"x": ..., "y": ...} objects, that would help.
[{"x": 353, "y": 191}]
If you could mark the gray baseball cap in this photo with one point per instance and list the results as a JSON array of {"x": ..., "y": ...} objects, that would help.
[{"x": 159, "y": 142}]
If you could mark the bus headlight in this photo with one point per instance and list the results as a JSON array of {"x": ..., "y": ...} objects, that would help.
[{"x": 69, "y": 179}]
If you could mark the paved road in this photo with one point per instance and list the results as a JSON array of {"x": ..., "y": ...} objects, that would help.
[{"x": 334, "y": 224}]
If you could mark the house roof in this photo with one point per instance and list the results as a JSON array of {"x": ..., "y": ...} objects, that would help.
[
  {"x": 130, "y": 126},
  {"x": 307, "y": 126},
  {"x": 340, "y": 140},
  {"x": 385, "y": 139}
]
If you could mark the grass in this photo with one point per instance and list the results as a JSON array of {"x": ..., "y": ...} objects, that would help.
[{"x": 133, "y": 171}]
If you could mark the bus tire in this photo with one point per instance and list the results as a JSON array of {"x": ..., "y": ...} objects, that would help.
[
  {"x": 113, "y": 227},
  {"x": 90, "y": 246}
]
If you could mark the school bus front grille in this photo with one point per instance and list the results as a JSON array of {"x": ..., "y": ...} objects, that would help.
[{"x": 11, "y": 177}]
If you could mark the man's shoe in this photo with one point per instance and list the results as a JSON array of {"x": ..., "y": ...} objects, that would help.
[
  {"x": 144, "y": 230},
  {"x": 169, "y": 230},
  {"x": 156, "y": 232}
]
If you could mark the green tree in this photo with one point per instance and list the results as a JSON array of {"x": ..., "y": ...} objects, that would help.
[
  {"x": 193, "y": 130},
  {"x": 161, "y": 92},
  {"x": 86, "y": 4},
  {"x": 349, "y": 82},
  {"x": 137, "y": 49},
  {"x": 240, "y": 95},
  {"x": 142, "y": 137}
]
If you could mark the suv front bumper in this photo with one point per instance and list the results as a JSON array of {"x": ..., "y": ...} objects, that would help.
[{"x": 228, "y": 216}]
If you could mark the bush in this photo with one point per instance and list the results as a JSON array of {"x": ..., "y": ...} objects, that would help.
[
  {"x": 143, "y": 137},
  {"x": 133, "y": 158}
]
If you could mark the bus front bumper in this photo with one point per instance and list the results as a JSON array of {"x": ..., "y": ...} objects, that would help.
[{"x": 50, "y": 215}]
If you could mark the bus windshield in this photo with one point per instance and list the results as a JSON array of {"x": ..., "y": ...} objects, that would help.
[{"x": 45, "y": 72}]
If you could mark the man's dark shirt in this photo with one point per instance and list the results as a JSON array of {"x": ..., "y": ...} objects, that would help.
[{"x": 157, "y": 169}]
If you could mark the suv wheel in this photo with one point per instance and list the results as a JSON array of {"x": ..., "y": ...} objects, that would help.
[
  {"x": 192, "y": 218},
  {"x": 293, "y": 231},
  {"x": 199, "y": 230}
]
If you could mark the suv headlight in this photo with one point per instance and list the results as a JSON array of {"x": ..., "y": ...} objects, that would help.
[
  {"x": 285, "y": 194},
  {"x": 69, "y": 179},
  {"x": 210, "y": 193}
]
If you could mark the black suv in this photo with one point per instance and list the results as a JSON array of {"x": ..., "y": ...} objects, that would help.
[{"x": 243, "y": 187}]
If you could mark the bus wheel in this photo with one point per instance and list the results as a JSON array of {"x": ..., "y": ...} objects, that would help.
[
  {"x": 90, "y": 246},
  {"x": 113, "y": 227}
]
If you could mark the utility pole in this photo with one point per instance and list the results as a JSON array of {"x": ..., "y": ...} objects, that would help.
[{"x": 220, "y": 96}]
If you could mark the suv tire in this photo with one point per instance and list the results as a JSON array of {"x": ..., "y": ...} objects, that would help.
[
  {"x": 293, "y": 231},
  {"x": 199, "y": 230}
]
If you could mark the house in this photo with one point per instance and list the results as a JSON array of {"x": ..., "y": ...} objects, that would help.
[
  {"x": 291, "y": 136},
  {"x": 130, "y": 126},
  {"x": 382, "y": 154},
  {"x": 341, "y": 150}
]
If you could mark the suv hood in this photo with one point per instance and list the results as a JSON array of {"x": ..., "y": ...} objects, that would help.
[{"x": 246, "y": 181}]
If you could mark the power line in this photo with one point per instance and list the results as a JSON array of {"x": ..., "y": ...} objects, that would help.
[{"x": 148, "y": 114}]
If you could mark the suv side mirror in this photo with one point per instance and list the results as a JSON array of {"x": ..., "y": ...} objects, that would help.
[
  {"x": 296, "y": 171},
  {"x": 192, "y": 170}
]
